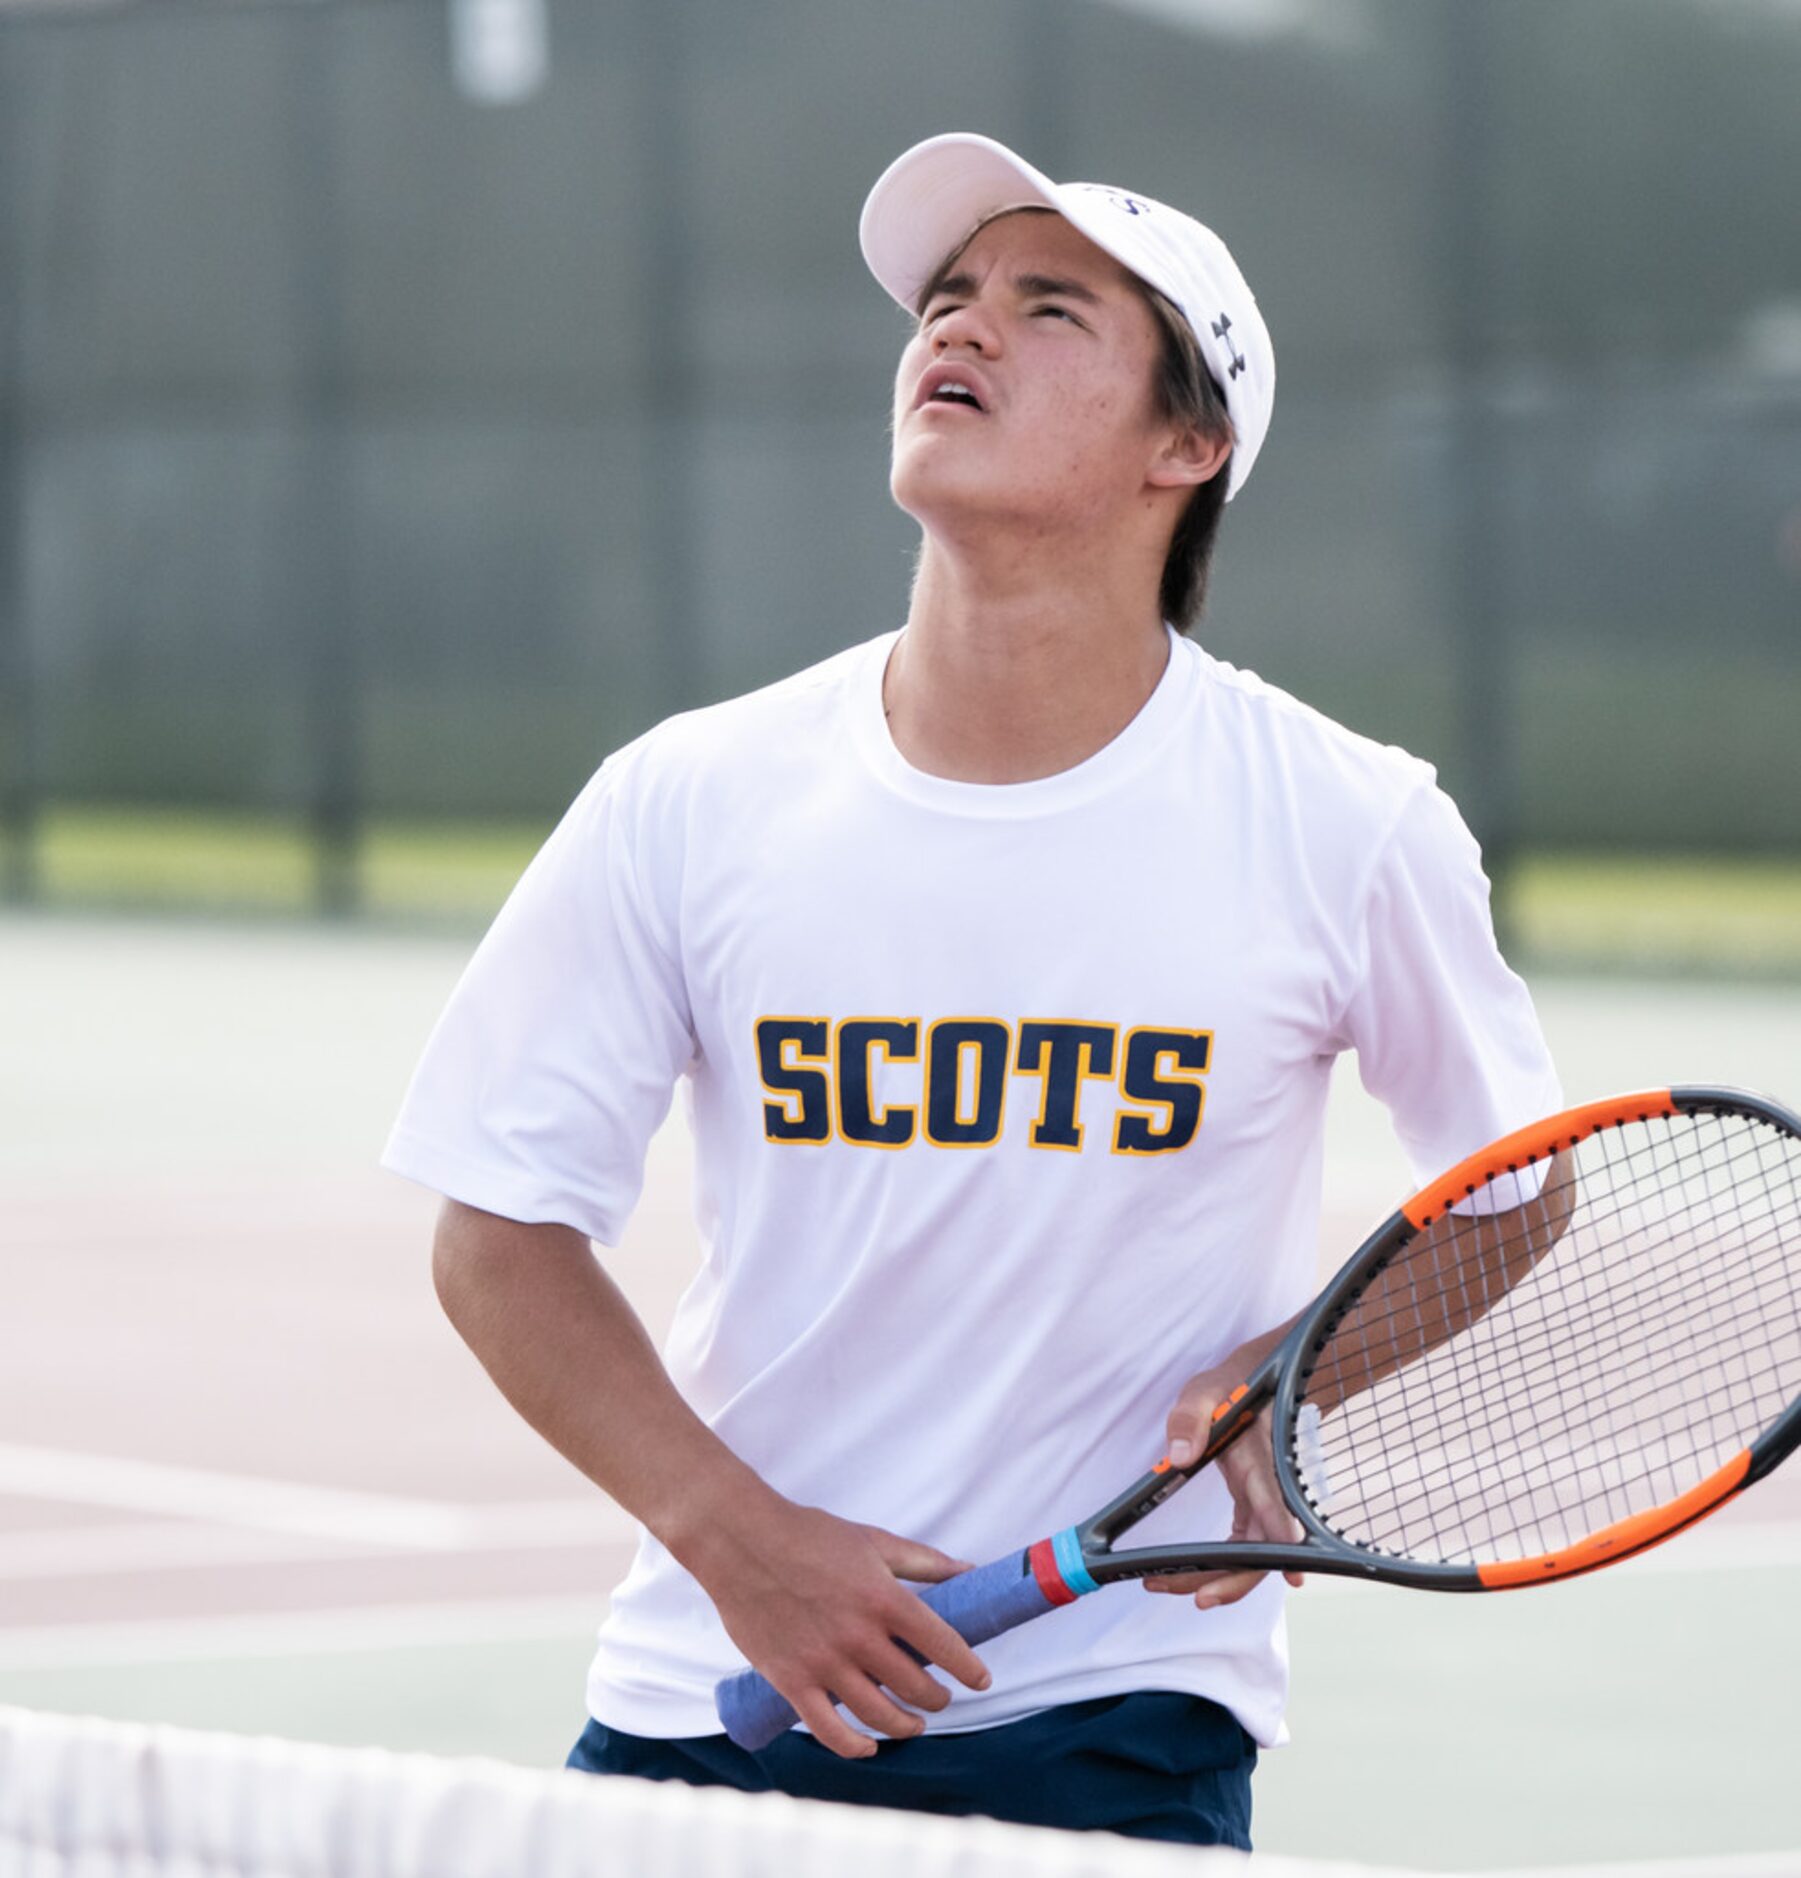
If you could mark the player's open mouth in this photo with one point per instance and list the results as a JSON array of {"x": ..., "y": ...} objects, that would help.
[{"x": 951, "y": 385}]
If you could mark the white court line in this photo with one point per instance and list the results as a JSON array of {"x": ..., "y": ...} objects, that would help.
[
  {"x": 227, "y": 1499},
  {"x": 304, "y": 1633},
  {"x": 102, "y": 1551},
  {"x": 337, "y": 1523},
  {"x": 175, "y": 1545},
  {"x": 325, "y": 1513}
]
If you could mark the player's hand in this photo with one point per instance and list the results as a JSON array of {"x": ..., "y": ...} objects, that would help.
[
  {"x": 1249, "y": 1470},
  {"x": 816, "y": 1603}
]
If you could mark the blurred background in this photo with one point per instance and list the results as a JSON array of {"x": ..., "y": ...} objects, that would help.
[
  {"x": 405, "y": 403},
  {"x": 402, "y": 404}
]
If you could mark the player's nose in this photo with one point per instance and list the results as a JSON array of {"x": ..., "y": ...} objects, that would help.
[{"x": 971, "y": 326}]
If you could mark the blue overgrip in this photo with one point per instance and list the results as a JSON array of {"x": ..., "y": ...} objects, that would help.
[{"x": 976, "y": 1604}]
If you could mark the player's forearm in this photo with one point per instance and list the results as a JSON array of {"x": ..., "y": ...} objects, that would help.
[
  {"x": 566, "y": 1349},
  {"x": 1446, "y": 1279},
  {"x": 1250, "y": 1356}
]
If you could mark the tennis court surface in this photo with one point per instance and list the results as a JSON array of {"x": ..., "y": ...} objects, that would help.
[{"x": 250, "y": 1481}]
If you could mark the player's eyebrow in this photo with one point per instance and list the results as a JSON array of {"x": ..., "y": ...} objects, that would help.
[
  {"x": 940, "y": 284},
  {"x": 1053, "y": 287}
]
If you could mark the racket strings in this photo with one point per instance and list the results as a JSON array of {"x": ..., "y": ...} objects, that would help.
[
  {"x": 1551, "y": 1468},
  {"x": 1528, "y": 1371},
  {"x": 1346, "y": 1364},
  {"x": 1672, "y": 1346},
  {"x": 1751, "y": 1370},
  {"x": 1538, "y": 1350}
]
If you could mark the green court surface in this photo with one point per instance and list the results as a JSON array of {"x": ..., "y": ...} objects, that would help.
[
  {"x": 247, "y": 863},
  {"x": 1701, "y": 915}
]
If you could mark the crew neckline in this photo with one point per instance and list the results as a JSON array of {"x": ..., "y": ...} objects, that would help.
[{"x": 1109, "y": 766}]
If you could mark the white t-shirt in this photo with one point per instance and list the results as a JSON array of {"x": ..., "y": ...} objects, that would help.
[{"x": 1007, "y": 1110}]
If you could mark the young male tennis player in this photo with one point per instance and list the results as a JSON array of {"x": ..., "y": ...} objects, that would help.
[{"x": 1001, "y": 962}]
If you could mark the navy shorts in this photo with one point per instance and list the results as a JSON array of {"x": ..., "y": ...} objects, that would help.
[{"x": 1154, "y": 1765}]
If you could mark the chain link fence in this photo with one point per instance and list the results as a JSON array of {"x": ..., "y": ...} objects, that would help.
[{"x": 382, "y": 440}]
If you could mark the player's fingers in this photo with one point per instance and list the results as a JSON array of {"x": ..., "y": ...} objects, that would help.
[
  {"x": 1208, "y": 1589},
  {"x": 1185, "y": 1428},
  {"x": 909, "y": 1559},
  {"x": 1189, "y": 1583},
  {"x": 1270, "y": 1518},
  {"x": 900, "y": 1672},
  {"x": 830, "y": 1729},
  {"x": 1181, "y": 1584},
  {"x": 1276, "y": 1521},
  {"x": 1227, "y": 1588},
  {"x": 1262, "y": 1512},
  {"x": 877, "y": 1709},
  {"x": 918, "y": 1624}
]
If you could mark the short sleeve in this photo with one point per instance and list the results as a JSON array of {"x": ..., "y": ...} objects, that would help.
[
  {"x": 556, "y": 1058},
  {"x": 1445, "y": 1034}
]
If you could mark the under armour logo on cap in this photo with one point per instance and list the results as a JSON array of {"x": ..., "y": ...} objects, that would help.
[
  {"x": 1221, "y": 327},
  {"x": 1120, "y": 200}
]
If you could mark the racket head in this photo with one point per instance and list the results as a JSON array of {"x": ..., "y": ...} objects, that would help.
[{"x": 1629, "y": 1338}]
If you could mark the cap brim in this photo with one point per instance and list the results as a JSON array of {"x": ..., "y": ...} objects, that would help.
[{"x": 932, "y": 199}]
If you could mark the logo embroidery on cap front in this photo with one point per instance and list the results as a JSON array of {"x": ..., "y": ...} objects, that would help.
[
  {"x": 1130, "y": 205},
  {"x": 1221, "y": 327}
]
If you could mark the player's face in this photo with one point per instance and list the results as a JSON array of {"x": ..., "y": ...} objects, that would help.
[{"x": 1054, "y": 341}]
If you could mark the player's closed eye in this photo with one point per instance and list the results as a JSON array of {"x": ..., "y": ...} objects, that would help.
[{"x": 950, "y": 306}]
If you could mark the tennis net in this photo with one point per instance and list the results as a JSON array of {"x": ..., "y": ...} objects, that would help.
[{"x": 83, "y": 1798}]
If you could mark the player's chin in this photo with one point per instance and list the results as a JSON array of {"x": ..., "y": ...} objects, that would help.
[{"x": 942, "y": 479}]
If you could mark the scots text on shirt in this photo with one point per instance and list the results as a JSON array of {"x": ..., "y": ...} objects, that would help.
[{"x": 822, "y": 1075}]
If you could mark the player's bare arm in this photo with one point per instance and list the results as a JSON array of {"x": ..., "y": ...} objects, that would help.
[{"x": 814, "y": 1601}]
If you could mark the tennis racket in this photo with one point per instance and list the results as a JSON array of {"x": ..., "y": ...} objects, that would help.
[{"x": 1580, "y": 1340}]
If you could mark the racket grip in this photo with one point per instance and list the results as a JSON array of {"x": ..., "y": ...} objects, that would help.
[{"x": 976, "y": 1604}]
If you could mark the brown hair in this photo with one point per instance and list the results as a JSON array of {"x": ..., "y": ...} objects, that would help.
[{"x": 1184, "y": 392}]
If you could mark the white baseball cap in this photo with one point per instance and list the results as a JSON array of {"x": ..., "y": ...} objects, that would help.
[{"x": 930, "y": 200}]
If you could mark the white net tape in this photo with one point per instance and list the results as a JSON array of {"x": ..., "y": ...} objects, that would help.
[
  {"x": 81, "y": 1798},
  {"x": 90, "y": 1799}
]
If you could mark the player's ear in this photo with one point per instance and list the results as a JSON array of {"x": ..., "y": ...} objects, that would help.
[{"x": 1187, "y": 456}]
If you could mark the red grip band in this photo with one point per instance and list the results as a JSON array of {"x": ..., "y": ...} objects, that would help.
[{"x": 1050, "y": 1580}]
